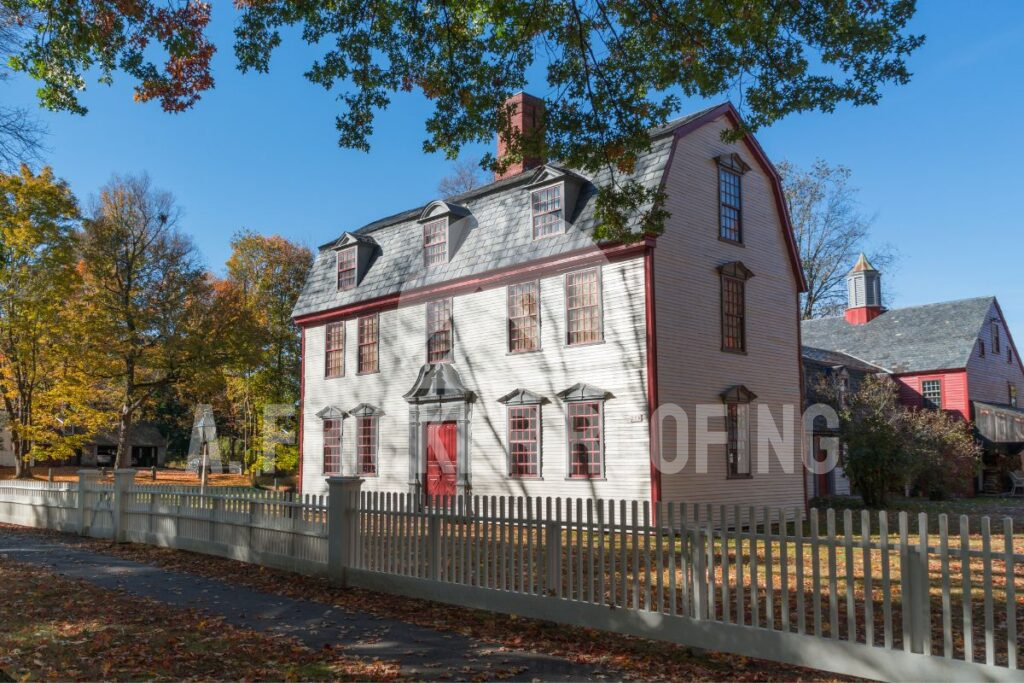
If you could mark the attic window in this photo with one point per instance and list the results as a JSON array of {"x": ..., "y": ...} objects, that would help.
[
  {"x": 995, "y": 337},
  {"x": 546, "y": 211},
  {"x": 435, "y": 242},
  {"x": 730, "y": 204},
  {"x": 347, "y": 264}
]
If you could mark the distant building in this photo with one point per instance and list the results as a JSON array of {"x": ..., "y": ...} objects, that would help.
[
  {"x": 147, "y": 444},
  {"x": 956, "y": 356}
]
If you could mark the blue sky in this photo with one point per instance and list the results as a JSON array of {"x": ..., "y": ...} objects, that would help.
[{"x": 937, "y": 161}]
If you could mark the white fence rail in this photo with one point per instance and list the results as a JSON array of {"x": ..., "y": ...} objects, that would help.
[{"x": 859, "y": 594}]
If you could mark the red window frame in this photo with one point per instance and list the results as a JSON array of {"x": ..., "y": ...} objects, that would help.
[
  {"x": 435, "y": 242},
  {"x": 366, "y": 445},
  {"x": 546, "y": 211},
  {"x": 368, "y": 361},
  {"x": 523, "y": 305},
  {"x": 730, "y": 205},
  {"x": 332, "y": 446},
  {"x": 334, "y": 350},
  {"x": 583, "y": 307},
  {"x": 586, "y": 439},
  {"x": 347, "y": 268},
  {"x": 524, "y": 441},
  {"x": 734, "y": 314},
  {"x": 439, "y": 331}
]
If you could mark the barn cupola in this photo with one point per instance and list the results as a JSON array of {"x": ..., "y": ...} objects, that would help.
[{"x": 864, "y": 292}]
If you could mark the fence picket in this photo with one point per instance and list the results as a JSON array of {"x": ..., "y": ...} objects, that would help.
[
  {"x": 601, "y": 554},
  {"x": 869, "y": 590},
  {"x": 965, "y": 572},
  {"x": 784, "y": 568},
  {"x": 647, "y": 554},
  {"x": 798, "y": 527},
  {"x": 1011, "y": 596},
  {"x": 833, "y": 579},
  {"x": 634, "y": 540},
  {"x": 848, "y": 551},
  {"x": 590, "y": 550},
  {"x": 986, "y": 574},
  {"x": 755, "y": 598},
  {"x": 737, "y": 534},
  {"x": 671, "y": 532},
  {"x": 769, "y": 565}
]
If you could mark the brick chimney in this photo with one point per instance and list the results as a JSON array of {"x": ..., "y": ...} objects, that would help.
[
  {"x": 864, "y": 293},
  {"x": 527, "y": 119}
]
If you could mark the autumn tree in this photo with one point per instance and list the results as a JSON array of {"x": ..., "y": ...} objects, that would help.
[
  {"x": 39, "y": 219},
  {"x": 146, "y": 318},
  {"x": 614, "y": 69},
  {"x": 20, "y": 133},
  {"x": 831, "y": 229}
]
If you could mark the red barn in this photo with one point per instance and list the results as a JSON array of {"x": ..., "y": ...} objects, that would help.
[{"x": 956, "y": 355}]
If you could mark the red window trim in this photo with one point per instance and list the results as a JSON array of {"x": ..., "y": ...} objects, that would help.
[
  {"x": 447, "y": 304},
  {"x": 600, "y": 306},
  {"x": 509, "y": 318},
  {"x": 361, "y": 344},
  {"x": 354, "y": 269},
  {"x": 536, "y": 441},
  {"x": 328, "y": 350},
  {"x": 429, "y": 230},
  {"x": 374, "y": 443},
  {"x": 570, "y": 439},
  {"x": 329, "y": 426}
]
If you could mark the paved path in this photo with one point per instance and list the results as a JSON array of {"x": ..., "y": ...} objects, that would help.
[{"x": 422, "y": 652}]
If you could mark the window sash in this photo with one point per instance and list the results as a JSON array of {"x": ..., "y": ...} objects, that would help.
[
  {"x": 931, "y": 393},
  {"x": 730, "y": 216},
  {"x": 334, "y": 353},
  {"x": 737, "y": 421},
  {"x": 439, "y": 331},
  {"x": 523, "y": 303},
  {"x": 995, "y": 338},
  {"x": 366, "y": 445},
  {"x": 369, "y": 344},
  {"x": 347, "y": 265},
  {"x": 332, "y": 447},
  {"x": 734, "y": 323},
  {"x": 583, "y": 307},
  {"x": 435, "y": 242},
  {"x": 524, "y": 441},
  {"x": 586, "y": 453},
  {"x": 546, "y": 211}
]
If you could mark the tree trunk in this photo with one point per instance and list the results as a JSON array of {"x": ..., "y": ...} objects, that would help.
[{"x": 124, "y": 456}]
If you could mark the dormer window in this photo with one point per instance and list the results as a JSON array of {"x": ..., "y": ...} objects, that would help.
[
  {"x": 347, "y": 268},
  {"x": 546, "y": 206},
  {"x": 435, "y": 242}
]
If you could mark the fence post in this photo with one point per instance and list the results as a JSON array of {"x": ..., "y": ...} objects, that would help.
[
  {"x": 915, "y": 590},
  {"x": 86, "y": 478},
  {"x": 342, "y": 526},
  {"x": 553, "y": 551},
  {"x": 122, "y": 480}
]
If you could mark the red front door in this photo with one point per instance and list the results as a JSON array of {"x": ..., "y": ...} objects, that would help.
[{"x": 442, "y": 456}]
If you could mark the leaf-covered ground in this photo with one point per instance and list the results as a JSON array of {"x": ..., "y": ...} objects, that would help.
[
  {"x": 635, "y": 658},
  {"x": 56, "y": 628}
]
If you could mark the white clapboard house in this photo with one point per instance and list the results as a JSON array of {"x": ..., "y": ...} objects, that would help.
[{"x": 484, "y": 344}]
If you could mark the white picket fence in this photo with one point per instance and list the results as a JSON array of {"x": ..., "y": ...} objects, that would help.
[{"x": 858, "y": 594}]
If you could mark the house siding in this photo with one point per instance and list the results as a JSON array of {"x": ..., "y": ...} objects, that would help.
[
  {"x": 989, "y": 376},
  {"x": 692, "y": 368},
  {"x": 954, "y": 390},
  {"x": 618, "y": 365}
]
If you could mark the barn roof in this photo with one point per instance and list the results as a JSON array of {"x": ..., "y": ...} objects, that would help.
[
  {"x": 938, "y": 336},
  {"x": 141, "y": 434},
  {"x": 495, "y": 238}
]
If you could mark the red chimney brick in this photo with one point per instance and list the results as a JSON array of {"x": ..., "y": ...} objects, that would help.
[{"x": 527, "y": 119}]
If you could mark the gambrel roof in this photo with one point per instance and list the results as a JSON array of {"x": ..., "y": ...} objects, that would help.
[
  {"x": 495, "y": 228},
  {"x": 938, "y": 336}
]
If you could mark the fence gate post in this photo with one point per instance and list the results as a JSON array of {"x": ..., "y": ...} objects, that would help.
[
  {"x": 916, "y": 593},
  {"x": 86, "y": 478},
  {"x": 553, "y": 550},
  {"x": 342, "y": 526},
  {"x": 122, "y": 480}
]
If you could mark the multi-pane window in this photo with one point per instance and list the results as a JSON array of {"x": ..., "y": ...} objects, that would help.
[
  {"x": 583, "y": 307},
  {"x": 1013, "y": 394},
  {"x": 931, "y": 393},
  {"x": 524, "y": 440},
  {"x": 347, "y": 268},
  {"x": 995, "y": 337},
  {"x": 737, "y": 424},
  {"x": 585, "y": 439},
  {"x": 729, "y": 213},
  {"x": 366, "y": 445},
  {"x": 547, "y": 211},
  {"x": 734, "y": 324},
  {"x": 334, "y": 361},
  {"x": 523, "y": 317},
  {"x": 439, "y": 331},
  {"x": 368, "y": 345},
  {"x": 435, "y": 242},
  {"x": 332, "y": 446}
]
